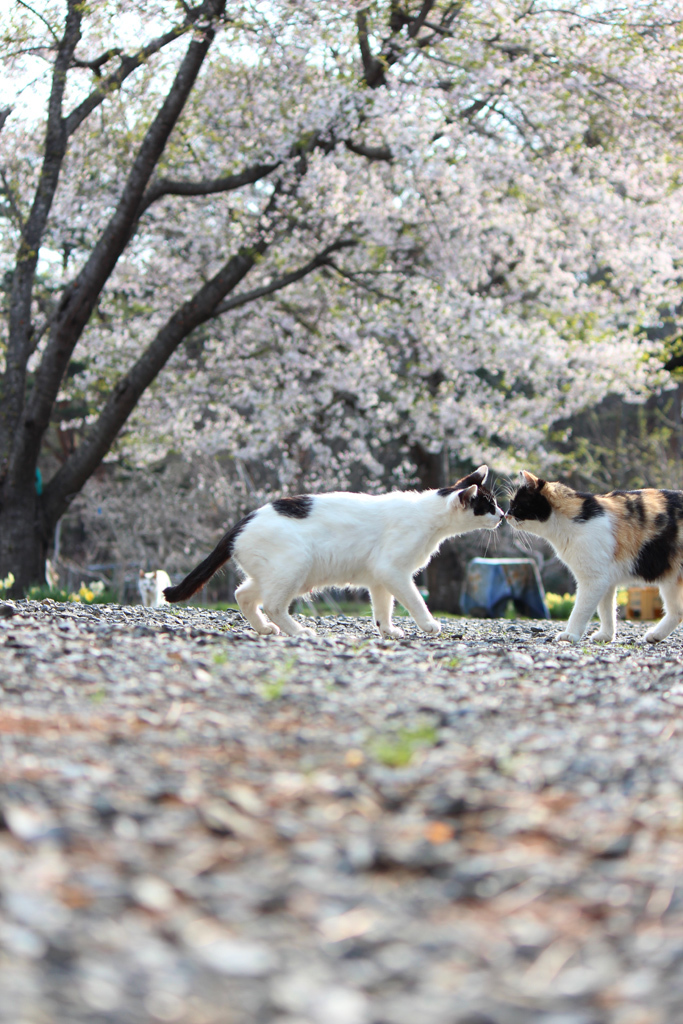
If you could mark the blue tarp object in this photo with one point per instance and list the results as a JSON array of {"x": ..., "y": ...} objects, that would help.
[{"x": 492, "y": 582}]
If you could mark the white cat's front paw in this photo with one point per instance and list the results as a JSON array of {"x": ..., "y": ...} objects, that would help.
[
  {"x": 305, "y": 631},
  {"x": 432, "y": 628},
  {"x": 653, "y": 637},
  {"x": 602, "y": 638},
  {"x": 394, "y": 632},
  {"x": 568, "y": 638}
]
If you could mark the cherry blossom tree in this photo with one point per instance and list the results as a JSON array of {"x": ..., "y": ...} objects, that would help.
[{"x": 347, "y": 241}]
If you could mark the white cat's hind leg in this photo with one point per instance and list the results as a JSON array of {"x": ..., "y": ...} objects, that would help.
[
  {"x": 672, "y": 595},
  {"x": 382, "y": 605},
  {"x": 405, "y": 591},
  {"x": 607, "y": 610},
  {"x": 248, "y": 597}
]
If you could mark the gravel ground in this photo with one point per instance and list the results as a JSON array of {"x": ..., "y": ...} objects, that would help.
[{"x": 204, "y": 827}]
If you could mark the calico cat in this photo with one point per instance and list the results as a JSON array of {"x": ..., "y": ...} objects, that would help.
[
  {"x": 607, "y": 539},
  {"x": 151, "y": 586},
  {"x": 293, "y": 545}
]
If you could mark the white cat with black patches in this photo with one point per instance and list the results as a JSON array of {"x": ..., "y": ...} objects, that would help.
[{"x": 294, "y": 545}]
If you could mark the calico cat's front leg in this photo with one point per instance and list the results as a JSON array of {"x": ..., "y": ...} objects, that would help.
[
  {"x": 607, "y": 610},
  {"x": 587, "y": 597},
  {"x": 382, "y": 606}
]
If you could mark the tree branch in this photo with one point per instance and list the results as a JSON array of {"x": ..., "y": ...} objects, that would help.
[
  {"x": 127, "y": 66},
  {"x": 373, "y": 69},
  {"x": 370, "y": 152},
  {"x": 126, "y": 393},
  {"x": 79, "y": 299},
  {"x": 46, "y": 23},
  {"x": 418, "y": 21},
  {"x": 354, "y": 279},
  {"x": 13, "y": 209},
  {"x": 208, "y": 186},
  {"x": 4, "y": 114},
  {"x": 27, "y": 258},
  {"x": 321, "y": 260},
  {"x": 96, "y": 65},
  {"x": 205, "y": 304}
]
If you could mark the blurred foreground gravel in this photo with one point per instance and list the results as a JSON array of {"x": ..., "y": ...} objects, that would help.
[{"x": 202, "y": 826}]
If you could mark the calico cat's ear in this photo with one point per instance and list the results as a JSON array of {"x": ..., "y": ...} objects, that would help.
[
  {"x": 528, "y": 479},
  {"x": 468, "y": 495},
  {"x": 477, "y": 477}
]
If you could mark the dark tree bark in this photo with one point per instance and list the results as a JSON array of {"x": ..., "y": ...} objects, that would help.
[
  {"x": 446, "y": 572},
  {"x": 27, "y": 519}
]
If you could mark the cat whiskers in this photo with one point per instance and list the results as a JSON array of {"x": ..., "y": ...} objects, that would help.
[
  {"x": 507, "y": 486},
  {"x": 491, "y": 540},
  {"x": 522, "y": 541}
]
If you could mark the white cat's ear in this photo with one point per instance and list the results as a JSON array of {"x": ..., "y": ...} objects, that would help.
[
  {"x": 527, "y": 479},
  {"x": 477, "y": 477},
  {"x": 142, "y": 573},
  {"x": 467, "y": 495}
]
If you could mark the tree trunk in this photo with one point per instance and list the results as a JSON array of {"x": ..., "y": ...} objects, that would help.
[
  {"x": 446, "y": 571},
  {"x": 24, "y": 538},
  {"x": 26, "y": 520}
]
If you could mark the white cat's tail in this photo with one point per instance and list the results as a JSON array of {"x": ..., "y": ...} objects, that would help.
[{"x": 195, "y": 580}]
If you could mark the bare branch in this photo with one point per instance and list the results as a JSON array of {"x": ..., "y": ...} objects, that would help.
[
  {"x": 370, "y": 152},
  {"x": 19, "y": 348},
  {"x": 97, "y": 65},
  {"x": 373, "y": 69},
  {"x": 126, "y": 393},
  {"x": 127, "y": 66},
  {"x": 12, "y": 205},
  {"x": 419, "y": 20},
  {"x": 208, "y": 186},
  {"x": 321, "y": 260},
  {"x": 355, "y": 279},
  {"x": 79, "y": 299},
  {"x": 40, "y": 17}
]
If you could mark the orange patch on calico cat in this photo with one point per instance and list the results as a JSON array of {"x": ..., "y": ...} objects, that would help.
[
  {"x": 634, "y": 518},
  {"x": 563, "y": 499}
]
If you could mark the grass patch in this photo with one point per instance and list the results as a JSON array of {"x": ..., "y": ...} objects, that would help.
[
  {"x": 453, "y": 662},
  {"x": 396, "y": 750},
  {"x": 273, "y": 688}
]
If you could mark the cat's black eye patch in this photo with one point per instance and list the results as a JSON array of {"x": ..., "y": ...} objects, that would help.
[
  {"x": 298, "y": 507},
  {"x": 590, "y": 509},
  {"x": 528, "y": 504},
  {"x": 483, "y": 503}
]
